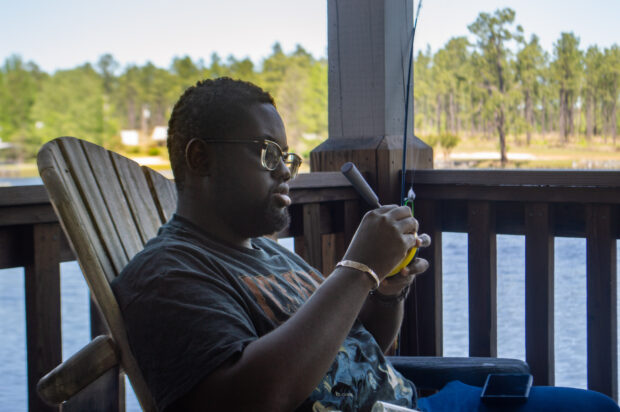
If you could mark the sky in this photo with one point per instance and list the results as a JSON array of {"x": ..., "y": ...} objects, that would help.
[{"x": 62, "y": 34}]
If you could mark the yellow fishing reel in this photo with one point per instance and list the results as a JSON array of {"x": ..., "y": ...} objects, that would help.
[
  {"x": 404, "y": 262},
  {"x": 413, "y": 250}
]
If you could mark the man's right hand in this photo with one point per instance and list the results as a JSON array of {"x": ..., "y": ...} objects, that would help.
[{"x": 383, "y": 238}]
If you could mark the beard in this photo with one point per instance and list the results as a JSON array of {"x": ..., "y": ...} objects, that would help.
[
  {"x": 276, "y": 218},
  {"x": 255, "y": 219}
]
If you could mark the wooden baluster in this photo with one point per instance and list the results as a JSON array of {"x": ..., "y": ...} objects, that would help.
[
  {"x": 352, "y": 219},
  {"x": 330, "y": 240},
  {"x": 43, "y": 329},
  {"x": 300, "y": 249},
  {"x": 422, "y": 330},
  {"x": 539, "y": 292},
  {"x": 329, "y": 247},
  {"x": 482, "y": 268},
  {"x": 601, "y": 290},
  {"x": 312, "y": 234}
]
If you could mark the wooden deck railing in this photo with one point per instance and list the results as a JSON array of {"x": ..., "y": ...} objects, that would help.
[
  {"x": 540, "y": 205},
  {"x": 325, "y": 214}
]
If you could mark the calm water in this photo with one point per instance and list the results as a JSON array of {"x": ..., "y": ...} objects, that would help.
[{"x": 570, "y": 312}]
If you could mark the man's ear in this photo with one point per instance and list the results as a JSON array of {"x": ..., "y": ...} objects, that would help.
[{"x": 198, "y": 157}]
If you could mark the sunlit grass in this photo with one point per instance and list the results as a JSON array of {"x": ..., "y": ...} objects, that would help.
[{"x": 548, "y": 152}]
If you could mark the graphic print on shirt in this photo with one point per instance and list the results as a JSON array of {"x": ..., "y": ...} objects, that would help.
[{"x": 281, "y": 295}]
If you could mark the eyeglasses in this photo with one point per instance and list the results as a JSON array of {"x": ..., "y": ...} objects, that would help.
[{"x": 271, "y": 154}]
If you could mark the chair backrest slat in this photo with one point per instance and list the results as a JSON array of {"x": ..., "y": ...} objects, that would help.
[
  {"x": 66, "y": 199},
  {"x": 164, "y": 193},
  {"x": 114, "y": 200},
  {"x": 138, "y": 195},
  {"x": 93, "y": 200},
  {"x": 106, "y": 208}
]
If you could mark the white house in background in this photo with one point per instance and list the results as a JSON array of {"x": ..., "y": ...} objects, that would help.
[
  {"x": 160, "y": 134},
  {"x": 130, "y": 137},
  {"x": 4, "y": 145}
]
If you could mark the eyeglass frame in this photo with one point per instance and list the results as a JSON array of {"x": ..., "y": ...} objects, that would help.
[{"x": 265, "y": 142}]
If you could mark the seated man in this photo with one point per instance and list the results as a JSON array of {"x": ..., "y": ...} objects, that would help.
[{"x": 221, "y": 318}]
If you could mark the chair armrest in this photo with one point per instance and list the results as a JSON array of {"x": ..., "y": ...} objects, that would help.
[
  {"x": 77, "y": 372},
  {"x": 430, "y": 372}
]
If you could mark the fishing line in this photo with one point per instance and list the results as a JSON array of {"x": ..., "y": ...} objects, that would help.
[{"x": 408, "y": 201}]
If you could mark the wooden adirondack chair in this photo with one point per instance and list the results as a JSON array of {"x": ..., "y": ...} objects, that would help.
[{"x": 109, "y": 207}]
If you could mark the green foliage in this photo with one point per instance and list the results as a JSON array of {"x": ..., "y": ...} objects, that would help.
[
  {"x": 96, "y": 103},
  {"x": 448, "y": 141},
  {"x": 566, "y": 66},
  {"x": 493, "y": 32},
  {"x": 71, "y": 104},
  {"x": 504, "y": 85},
  {"x": 154, "y": 151},
  {"x": 501, "y": 84},
  {"x": 298, "y": 83},
  {"x": 20, "y": 84},
  {"x": 432, "y": 140},
  {"x": 566, "y": 69}
]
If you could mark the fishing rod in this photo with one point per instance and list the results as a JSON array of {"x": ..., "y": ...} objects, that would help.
[
  {"x": 366, "y": 192},
  {"x": 410, "y": 194}
]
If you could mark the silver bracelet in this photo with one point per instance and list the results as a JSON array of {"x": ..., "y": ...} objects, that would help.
[{"x": 361, "y": 267}]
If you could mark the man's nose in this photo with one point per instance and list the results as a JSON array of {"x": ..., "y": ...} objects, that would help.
[{"x": 283, "y": 171}]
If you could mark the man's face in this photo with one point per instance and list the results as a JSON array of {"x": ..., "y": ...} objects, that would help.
[{"x": 252, "y": 200}]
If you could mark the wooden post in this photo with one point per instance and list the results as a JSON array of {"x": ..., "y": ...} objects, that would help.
[
  {"x": 482, "y": 270},
  {"x": 539, "y": 276},
  {"x": 422, "y": 331},
  {"x": 601, "y": 292},
  {"x": 368, "y": 56},
  {"x": 43, "y": 329}
]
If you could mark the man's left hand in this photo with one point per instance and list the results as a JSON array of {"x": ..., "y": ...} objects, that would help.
[{"x": 394, "y": 285}]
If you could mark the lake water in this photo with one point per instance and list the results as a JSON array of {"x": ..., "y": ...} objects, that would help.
[{"x": 570, "y": 312}]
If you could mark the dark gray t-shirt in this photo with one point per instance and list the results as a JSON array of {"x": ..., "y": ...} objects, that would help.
[{"x": 190, "y": 302}]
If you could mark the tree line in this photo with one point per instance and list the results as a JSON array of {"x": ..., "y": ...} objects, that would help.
[
  {"x": 95, "y": 102},
  {"x": 501, "y": 84},
  {"x": 504, "y": 83}
]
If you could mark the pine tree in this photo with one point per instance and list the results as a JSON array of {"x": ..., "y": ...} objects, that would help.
[
  {"x": 493, "y": 32},
  {"x": 566, "y": 70}
]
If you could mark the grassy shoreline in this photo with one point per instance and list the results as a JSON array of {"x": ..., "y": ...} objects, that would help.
[{"x": 471, "y": 152}]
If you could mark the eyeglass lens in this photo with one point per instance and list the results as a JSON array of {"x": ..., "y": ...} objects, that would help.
[{"x": 272, "y": 157}]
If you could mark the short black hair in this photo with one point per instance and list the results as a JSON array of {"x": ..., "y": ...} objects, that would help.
[{"x": 212, "y": 108}]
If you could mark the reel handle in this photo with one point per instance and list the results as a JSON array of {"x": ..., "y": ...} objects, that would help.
[{"x": 360, "y": 184}]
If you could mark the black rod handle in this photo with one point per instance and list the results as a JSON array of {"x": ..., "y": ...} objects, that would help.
[{"x": 360, "y": 184}]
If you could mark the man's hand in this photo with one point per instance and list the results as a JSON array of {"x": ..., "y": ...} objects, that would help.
[
  {"x": 383, "y": 238},
  {"x": 383, "y": 314},
  {"x": 394, "y": 285}
]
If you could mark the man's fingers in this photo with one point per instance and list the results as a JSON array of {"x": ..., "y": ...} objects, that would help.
[
  {"x": 386, "y": 208},
  {"x": 408, "y": 225},
  {"x": 399, "y": 212},
  {"x": 411, "y": 240},
  {"x": 416, "y": 267},
  {"x": 423, "y": 240}
]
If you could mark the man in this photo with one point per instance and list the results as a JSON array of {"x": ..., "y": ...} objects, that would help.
[{"x": 221, "y": 318}]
